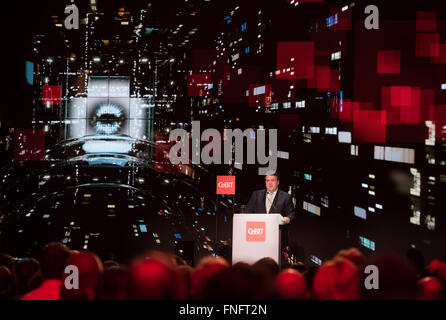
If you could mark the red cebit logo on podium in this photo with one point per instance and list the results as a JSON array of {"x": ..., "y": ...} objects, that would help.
[
  {"x": 255, "y": 231},
  {"x": 225, "y": 184}
]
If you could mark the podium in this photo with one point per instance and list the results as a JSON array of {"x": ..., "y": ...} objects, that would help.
[{"x": 255, "y": 236}]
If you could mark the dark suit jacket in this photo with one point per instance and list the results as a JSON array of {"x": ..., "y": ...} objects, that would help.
[{"x": 282, "y": 204}]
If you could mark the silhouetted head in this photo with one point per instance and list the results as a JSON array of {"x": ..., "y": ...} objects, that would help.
[
  {"x": 25, "y": 271},
  {"x": 26, "y": 268},
  {"x": 53, "y": 260},
  {"x": 299, "y": 266},
  {"x": 112, "y": 284},
  {"x": 430, "y": 288},
  {"x": 291, "y": 285},
  {"x": 90, "y": 268},
  {"x": 438, "y": 268},
  {"x": 337, "y": 279},
  {"x": 267, "y": 267},
  {"x": 239, "y": 282},
  {"x": 7, "y": 261},
  {"x": 212, "y": 260},
  {"x": 206, "y": 269},
  {"x": 397, "y": 279},
  {"x": 110, "y": 264},
  {"x": 354, "y": 255},
  {"x": 167, "y": 258},
  {"x": 7, "y": 283},
  {"x": 153, "y": 280}
]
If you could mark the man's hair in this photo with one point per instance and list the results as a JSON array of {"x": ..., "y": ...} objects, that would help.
[
  {"x": 53, "y": 260},
  {"x": 272, "y": 174}
]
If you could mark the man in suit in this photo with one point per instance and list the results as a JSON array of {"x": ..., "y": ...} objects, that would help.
[{"x": 272, "y": 200}]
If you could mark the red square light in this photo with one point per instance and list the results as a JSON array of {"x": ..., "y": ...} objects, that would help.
[
  {"x": 199, "y": 85},
  {"x": 369, "y": 126},
  {"x": 426, "y": 21},
  {"x": 428, "y": 45},
  {"x": 295, "y": 60},
  {"x": 51, "y": 95},
  {"x": 389, "y": 61}
]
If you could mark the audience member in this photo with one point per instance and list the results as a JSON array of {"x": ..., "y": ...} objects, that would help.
[
  {"x": 299, "y": 266},
  {"x": 164, "y": 276},
  {"x": 7, "y": 261},
  {"x": 267, "y": 270},
  {"x": 152, "y": 280},
  {"x": 239, "y": 282},
  {"x": 291, "y": 285},
  {"x": 29, "y": 276},
  {"x": 207, "y": 267},
  {"x": 438, "y": 268},
  {"x": 397, "y": 279},
  {"x": 7, "y": 284},
  {"x": 430, "y": 288},
  {"x": 354, "y": 255},
  {"x": 267, "y": 267},
  {"x": 112, "y": 284},
  {"x": 52, "y": 262},
  {"x": 110, "y": 264},
  {"x": 337, "y": 279},
  {"x": 90, "y": 268}
]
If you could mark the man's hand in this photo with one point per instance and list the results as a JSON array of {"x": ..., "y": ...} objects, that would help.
[{"x": 286, "y": 220}]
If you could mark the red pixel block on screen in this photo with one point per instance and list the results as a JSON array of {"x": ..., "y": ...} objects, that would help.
[
  {"x": 202, "y": 59},
  {"x": 389, "y": 61},
  {"x": 199, "y": 85},
  {"x": 426, "y": 21},
  {"x": 29, "y": 145},
  {"x": 295, "y": 60},
  {"x": 442, "y": 55},
  {"x": 345, "y": 113},
  {"x": 344, "y": 19},
  {"x": 51, "y": 95},
  {"x": 288, "y": 123},
  {"x": 325, "y": 79},
  {"x": 428, "y": 45},
  {"x": 402, "y": 103},
  {"x": 162, "y": 159},
  {"x": 369, "y": 126},
  {"x": 438, "y": 116}
]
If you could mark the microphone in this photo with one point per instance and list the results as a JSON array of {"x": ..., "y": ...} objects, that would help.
[{"x": 281, "y": 220}]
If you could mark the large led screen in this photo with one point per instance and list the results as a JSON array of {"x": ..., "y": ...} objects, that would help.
[{"x": 108, "y": 109}]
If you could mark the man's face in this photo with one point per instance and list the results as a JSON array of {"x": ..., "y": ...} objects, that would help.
[{"x": 271, "y": 183}]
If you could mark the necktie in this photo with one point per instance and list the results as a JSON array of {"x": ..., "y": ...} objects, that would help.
[{"x": 269, "y": 201}]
